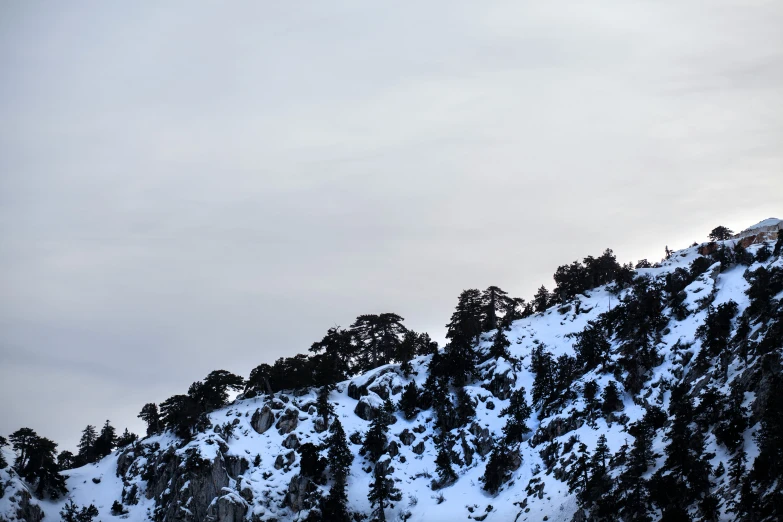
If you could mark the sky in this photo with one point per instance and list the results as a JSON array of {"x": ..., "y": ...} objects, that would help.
[{"x": 202, "y": 185}]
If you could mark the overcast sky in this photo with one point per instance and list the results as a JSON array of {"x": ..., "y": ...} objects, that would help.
[{"x": 214, "y": 185}]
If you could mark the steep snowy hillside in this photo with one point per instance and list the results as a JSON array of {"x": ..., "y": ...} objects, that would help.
[{"x": 650, "y": 397}]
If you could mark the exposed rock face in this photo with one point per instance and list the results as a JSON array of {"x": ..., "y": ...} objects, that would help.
[
  {"x": 299, "y": 491},
  {"x": 291, "y": 442},
  {"x": 284, "y": 461},
  {"x": 228, "y": 508},
  {"x": 26, "y": 510},
  {"x": 288, "y": 421},
  {"x": 192, "y": 481},
  {"x": 502, "y": 384},
  {"x": 466, "y": 449},
  {"x": 262, "y": 419},
  {"x": 483, "y": 440},
  {"x": 365, "y": 410},
  {"x": 407, "y": 437}
]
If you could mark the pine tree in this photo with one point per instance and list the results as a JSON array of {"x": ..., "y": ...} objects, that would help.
[
  {"x": 322, "y": 404},
  {"x": 378, "y": 337},
  {"x": 3, "y": 443},
  {"x": 518, "y": 412},
  {"x": 720, "y": 233},
  {"x": 406, "y": 351},
  {"x": 126, "y": 439},
  {"x": 493, "y": 300},
  {"x": 213, "y": 392},
  {"x": 468, "y": 319},
  {"x": 611, "y": 397},
  {"x": 497, "y": 471},
  {"x": 86, "y": 445},
  {"x": 500, "y": 344},
  {"x": 466, "y": 408},
  {"x": 443, "y": 465},
  {"x": 459, "y": 361},
  {"x": 382, "y": 490},
  {"x": 150, "y": 415},
  {"x": 375, "y": 441},
  {"x": 106, "y": 441},
  {"x": 592, "y": 347},
  {"x": 336, "y": 352},
  {"x": 42, "y": 469},
  {"x": 339, "y": 457},
  {"x": 541, "y": 299},
  {"x": 71, "y": 513},
  {"x": 22, "y": 441},
  {"x": 409, "y": 400}
]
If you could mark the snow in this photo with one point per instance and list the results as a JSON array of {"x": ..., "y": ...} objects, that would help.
[{"x": 465, "y": 497}]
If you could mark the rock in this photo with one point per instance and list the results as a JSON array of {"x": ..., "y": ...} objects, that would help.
[
  {"x": 483, "y": 440},
  {"x": 291, "y": 442},
  {"x": 283, "y": 461},
  {"x": 394, "y": 449},
  {"x": 502, "y": 384},
  {"x": 247, "y": 494},
  {"x": 299, "y": 490},
  {"x": 288, "y": 421},
  {"x": 365, "y": 410},
  {"x": 466, "y": 450},
  {"x": 262, "y": 419},
  {"x": 419, "y": 429},
  {"x": 277, "y": 404},
  {"x": 27, "y": 511},
  {"x": 418, "y": 449},
  {"x": 356, "y": 392},
  {"x": 407, "y": 437},
  {"x": 318, "y": 425},
  {"x": 228, "y": 508}
]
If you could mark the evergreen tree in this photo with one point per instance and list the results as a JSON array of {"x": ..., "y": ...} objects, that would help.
[
  {"x": 500, "y": 344},
  {"x": 87, "y": 454},
  {"x": 497, "y": 471},
  {"x": 126, "y": 439},
  {"x": 71, "y": 513},
  {"x": 778, "y": 244},
  {"x": 260, "y": 380},
  {"x": 409, "y": 400},
  {"x": 459, "y": 361},
  {"x": 443, "y": 466},
  {"x": 467, "y": 321},
  {"x": 612, "y": 399},
  {"x": 337, "y": 352},
  {"x": 150, "y": 415},
  {"x": 311, "y": 464},
  {"x": 518, "y": 412},
  {"x": 180, "y": 414},
  {"x": 466, "y": 408},
  {"x": 106, "y": 441},
  {"x": 41, "y": 468},
  {"x": 325, "y": 408},
  {"x": 407, "y": 351},
  {"x": 3, "y": 443},
  {"x": 382, "y": 490},
  {"x": 734, "y": 421},
  {"x": 212, "y": 393},
  {"x": 493, "y": 301},
  {"x": 375, "y": 441},
  {"x": 425, "y": 345},
  {"x": 22, "y": 441},
  {"x": 592, "y": 347},
  {"x": 720, "y": 233},
  {"x": 542, "y": 363},
  {"x": 339, "y": 457},
  {"x": 541, "y": 299},
  {"x": 378, "y": 337}
]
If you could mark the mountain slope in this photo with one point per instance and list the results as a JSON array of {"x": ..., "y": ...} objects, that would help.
[{"x": 244, "y": 465}]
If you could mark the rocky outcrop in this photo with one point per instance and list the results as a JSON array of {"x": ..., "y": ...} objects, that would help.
[
  {"x": 285, "y": 461},
  {"x": 418, "y": 449},
  {"x": 262, "y": 419},
  {"x": 26, "y": 510},
  {"x": 365, "y": 410},
  {"x": 288, "y": 421},
  {"x": 299, "y": 493},
  {"x": 482, "y": 439},
  {"x": 291, "y": 442},
  {"x": 228, "y": 508},
  {"x": 406, "y": 437}
]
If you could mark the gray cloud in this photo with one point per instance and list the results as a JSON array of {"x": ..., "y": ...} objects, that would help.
[{"x": 202, "y": 187}]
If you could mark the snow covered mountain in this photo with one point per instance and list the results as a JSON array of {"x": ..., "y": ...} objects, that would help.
[{"x": 692, "y": 347}]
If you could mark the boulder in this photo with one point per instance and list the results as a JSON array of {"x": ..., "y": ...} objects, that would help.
[
  {"x": 283, "y": 461},
  {"x": 288, "y": 421},
  {"x": 407, "y": 437},
  {"x": 291, "y": 442},
  {"x": 365, "y": 410},
  {"x": 228, "y": 508},
  {"x": 262, "y": 419},
  {"x": 418, "y": 449}
]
